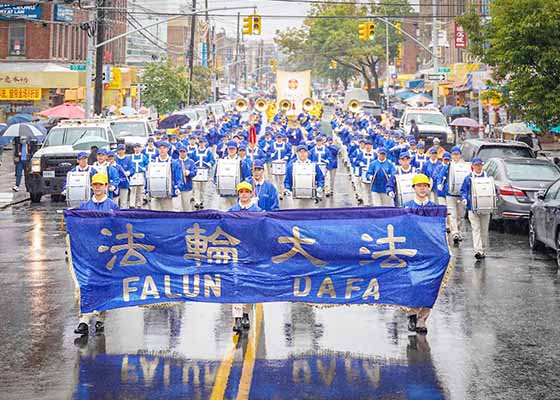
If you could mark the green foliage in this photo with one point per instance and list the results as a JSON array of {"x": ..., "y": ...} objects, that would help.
[
  {"x": 522, "y": 39},
  {"x": 167, "y": 85}
]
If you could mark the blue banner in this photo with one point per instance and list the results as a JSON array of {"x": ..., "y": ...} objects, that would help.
[
  {"x": 334, "y": 256},
  {"x": 10, "y": 11}
]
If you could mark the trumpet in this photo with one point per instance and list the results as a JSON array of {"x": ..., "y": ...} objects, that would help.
[
  {"x": 354, "y": 106},
  {"x": 285, "y": 105},
  {"x": 260, "y": 104},
  {"x": 241, "y": 105},
  {"x": 308, "y": 104}
]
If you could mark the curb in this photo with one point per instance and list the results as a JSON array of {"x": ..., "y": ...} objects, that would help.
[{"x": 13, "y": 199}]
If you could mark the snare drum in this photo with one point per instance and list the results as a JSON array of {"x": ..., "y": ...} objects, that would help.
[
  {"x": 303, "y": 180},
  {"x": 457, "y": 174},
  {"x": 483, "y": 195},
  {"x": 78, "y": 188},
  {"x": 159, "y": 179},
  {"x": 279, "y": 168},
  {"x": 138, "y": 179},
  {"x": 228, "y": 176},
  {"x": 405, "y": 191},
  {"x": 202, "y": 175}
]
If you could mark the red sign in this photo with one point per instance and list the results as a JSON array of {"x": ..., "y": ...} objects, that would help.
[{"x": 460, "y": 37}]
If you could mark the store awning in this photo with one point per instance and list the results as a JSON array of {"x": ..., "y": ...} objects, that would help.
[
  {"x": 39, "y": 75},
  {"x": 415, "y": 84}
]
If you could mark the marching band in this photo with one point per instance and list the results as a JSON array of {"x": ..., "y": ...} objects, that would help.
[{"x": 293, "y": 162}]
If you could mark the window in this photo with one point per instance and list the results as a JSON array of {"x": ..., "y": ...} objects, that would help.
[
  {"x": 531, "y": 172},
  {"x": 552, "y": 191},
  {"x": 491, "y": 169},
  {"x": 17, "y": 38}
]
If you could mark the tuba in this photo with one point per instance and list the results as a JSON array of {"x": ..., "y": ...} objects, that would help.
[
  {"x": 260, "y": 105},
  {"x": 285, "y": 105},
  {"x": 354, "y": 106},
  {"x": 308, "y": 104},
  {"x": 241, "y": 105}
]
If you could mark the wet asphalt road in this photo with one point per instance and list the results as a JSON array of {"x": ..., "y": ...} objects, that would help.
[{"x": 493, "y": 334}]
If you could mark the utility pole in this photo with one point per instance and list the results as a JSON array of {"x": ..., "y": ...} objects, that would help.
[
  {"x": 90, "y": 31},
  {"x": 98, "y": 101},
  {"x": 237, "y": 53},
  {"x": 435, "y": 51},
  {"x": 191, "y": 51},
  {"x": 207, "y": 34},
  {"x": 387, "y": 72}
]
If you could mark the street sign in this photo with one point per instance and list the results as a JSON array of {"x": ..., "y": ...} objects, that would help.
[
  {"x": 437, "y": 77},
  {"x": 444, "y": 70},
  {"x": 77, "y": 67}
]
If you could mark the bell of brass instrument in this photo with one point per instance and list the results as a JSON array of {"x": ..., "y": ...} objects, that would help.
[
  {"x": 260, "y": 105},
  {"x": 241, "y": 105},
  {"x": 354, "y": 106},
  {"x": 285, "y": 105},
  {"x": 308, "y": 104}
]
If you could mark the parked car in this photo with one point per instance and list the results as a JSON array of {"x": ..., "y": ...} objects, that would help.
[
  {"x": 518, "y": 180},
  {"x": 494, "y": 148},
  {"x": 544, "y": 221}
]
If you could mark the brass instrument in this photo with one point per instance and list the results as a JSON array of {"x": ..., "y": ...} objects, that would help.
[
  {"x": 354, "y": 106},
  {"x": 260, "y": 104},
  {"x": 308, "y": 104},
  {"x": 241, "y": 105},
  {"x": 285, "y": 105}
]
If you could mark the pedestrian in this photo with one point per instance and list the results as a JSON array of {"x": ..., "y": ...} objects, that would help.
[
  {"x": 22, "y": 153},
  {"x": 418, "y": 316},
  {"x": 184, "y": 169},
  {"x": 98, "y": 202},
  {"x": 479, "y": 222}
]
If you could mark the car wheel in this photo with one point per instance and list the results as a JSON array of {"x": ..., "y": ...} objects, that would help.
[
  {"x": 534, "y": 244},
  {"x": 36, "y": 197}
]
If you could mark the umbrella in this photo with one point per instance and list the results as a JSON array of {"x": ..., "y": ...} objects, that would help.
[
  {"x": 532, "y": 126},
  {"x": 66, "y": 110},
  {"x": 405, "y": 95},
  {"x": 418, "y": 98},
  {"x": 87, "y": 142},
  {"x": 458, "y": 111},
  {"x": 30, "y": 109},
  {"x": 23, "y": 130},
  {"x": 126, "y": 110},
  {"x": 556, "y": 129},
  {"x": 446, "y": 110},
  {"x": 20, "y": 119},
  {"x": 517, "y": 128},
  {"x": 173, "y": 121},
  {"x": 466, "y": 122}
]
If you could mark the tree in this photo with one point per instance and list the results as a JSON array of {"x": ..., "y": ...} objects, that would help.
[
  {"x": 520, "y": 41},
  {"x": 166, "y": 86},
  {"x": 331, "y": 33}
]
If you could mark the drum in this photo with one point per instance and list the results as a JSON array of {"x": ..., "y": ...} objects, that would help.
[
  {"x": 138, "y": 179},
  {"x": 228, "y": 176},
  {"x": 483, "y": 195},
  {"x": 78, "y": 188},
  {"x": 202, "y": 175},
  {"x": 457, "y": 174},
  {"x": 323, "y": 168},
  {"x": 303, "y": 180},
  {"x": 405, "y": 191},
  {"x": 279, "y": 168},
  {"x": 101, "y": 169},
  {"x": 159, "y": 179}
]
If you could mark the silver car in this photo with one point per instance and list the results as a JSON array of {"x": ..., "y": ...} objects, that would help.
[{"x": 518, "y": 181}]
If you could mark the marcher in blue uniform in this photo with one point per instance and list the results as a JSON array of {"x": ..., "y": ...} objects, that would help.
[
  {"x": 303, "y": 158},
  {"x": 417, "y": 317},
  {"x": 140, "y": 162},
  {"x": 125, "y": 162},
  {"x": 163, "y": 203},
  {"x": 264, "y": 192},
  {"x": 150, "y": 150},
  {"x": 333, "y": 166},
  {"x": 380, "y": 172},
  {"x": 362, "y": 162},
  {"x": 184, "y": 169},
  {"x": 441, "y": 181},
  {"x": 123, "y": 179},
  {"x": 404, "y": 168},
  {"x": 98, "y": 202},
  {"x": 204, "y": 159},
  {"x": 102, "y": 166}
]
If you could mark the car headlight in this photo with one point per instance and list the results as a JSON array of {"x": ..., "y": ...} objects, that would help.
[{"x": 36, "y": 165}]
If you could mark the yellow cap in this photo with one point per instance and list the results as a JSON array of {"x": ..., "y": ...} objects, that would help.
[
  {"x": 420, "y": 178},
  {"x": 244, "y": 186},
  {"x": 99, "y": 178}
]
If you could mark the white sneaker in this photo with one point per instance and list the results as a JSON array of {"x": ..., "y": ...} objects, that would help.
[{"x": 15, "y": 189}]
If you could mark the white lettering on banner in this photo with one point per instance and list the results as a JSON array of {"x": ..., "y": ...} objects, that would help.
[{"x": 190, "y": 285}]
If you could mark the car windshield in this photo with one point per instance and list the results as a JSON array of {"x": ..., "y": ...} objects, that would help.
[
  {"x": 128, "y": 128},
  {"x": 68, "y": 136},
  {"x": 531, "y": 172},
  {"x": 487, "y": 152},
  {"x": 426, "y": 119}
]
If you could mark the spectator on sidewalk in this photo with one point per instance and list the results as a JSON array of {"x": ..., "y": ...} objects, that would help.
[{"x": 21, "y": 158}]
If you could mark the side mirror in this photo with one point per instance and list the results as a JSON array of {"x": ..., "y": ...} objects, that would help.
[{"x": 540, "y": 195}]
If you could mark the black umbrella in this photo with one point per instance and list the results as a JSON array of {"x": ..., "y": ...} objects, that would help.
[{"x": 173, "y": 121}]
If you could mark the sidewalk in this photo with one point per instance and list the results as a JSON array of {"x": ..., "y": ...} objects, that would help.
[{"x": 8, "y": 179}]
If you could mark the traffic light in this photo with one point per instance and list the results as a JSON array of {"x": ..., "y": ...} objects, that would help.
[
  {"x": 256, "y": 24},
  {"x": 273, "y": 65},
  {"x": 366, "y": 31},
  {"x": 398, "y": 26},
  {"x": 400, "y": 50},
  {"x": 333, "y": 64},
  {"x": 248, "y": 25}
]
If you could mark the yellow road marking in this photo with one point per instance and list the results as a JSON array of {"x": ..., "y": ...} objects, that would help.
[
  {"x": 222, "y": 375},
  {"x": 250, "y": 356}
]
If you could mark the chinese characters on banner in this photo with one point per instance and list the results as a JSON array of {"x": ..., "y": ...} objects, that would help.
[
  {"x": 353, "y": 256},
  {"x": 20, "y": 94},
  {"x": 460, "y": 37}
]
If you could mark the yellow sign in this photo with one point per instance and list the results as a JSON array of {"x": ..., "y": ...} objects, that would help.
[
  {"x": 20, "y": 94},
  {"x": 116, "y": 79}
]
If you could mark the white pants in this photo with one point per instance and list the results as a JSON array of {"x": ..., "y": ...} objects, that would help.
[
  {"x": 366, "y": 194},
  {"x": 329, "y": 183},
  {"x": 442, "y": 201},
  {"x": 456, "y": 210},
  {"x": 199, "y": 190},
  {"x": 479, "y": 225},
  {"x": 304, "y": 203},
  {"x": 381, "y": 200},
  {"x": 186, "y": 201},
  {"x": 226, "y": 202},
  {"x": 278, "y": 181},
  {"x": 87, "y": 317},
  {"x": 161, "y": 204},
  {"x": 136, "y": 195},
  {"x": 122, "y": 200}
]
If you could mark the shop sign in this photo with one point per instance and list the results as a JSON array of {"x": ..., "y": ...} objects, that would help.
[{"x": 20, "y": 94}]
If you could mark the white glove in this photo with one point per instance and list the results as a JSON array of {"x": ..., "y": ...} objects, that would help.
[
  {"x": 319, "y": 193},
  {"x": 464, "y": 201},
  {"x": 112, "y": 188},
  {"x": 177, "y": 192},
  {"x": 127, "y": 173},
  {"x": 288, "y": 192},
  {"x": 440, "y": 187},
  {"x": 392, "y": 195},
  {"x": 187, "y": 172},
  {"x": 63, "y": 192}
]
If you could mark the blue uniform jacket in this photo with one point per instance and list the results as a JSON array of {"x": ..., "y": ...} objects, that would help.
[
  {"x": 334, "y": 156},
  {"x": 106, "y": 205},
  {"x": 430, "y": 169},
  {"x": 140, "y": 162},
  {"x": 294, "y": 136},
  {"x": 413, "y": 204},
  {"x": 466, "y": 188},
  {"x": 123, "y": 179},
  {"x": 150, "y": 152},
  {"x": 128, "y": 167},
  {"x": 252, "y": 208},
  {"x": 280, "y": 152},
  {"x": 181, "y": 182},
  {"x": 322, "y": 154},
  {"x": 288, "y": 181},
  {"x": 441, "y": 181},
  {"x": 267, "y": 195},
  {"x": 204, "y": 158},
  {"x": 114, "y": 180},
  {"x": 380, "y": 173}
]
